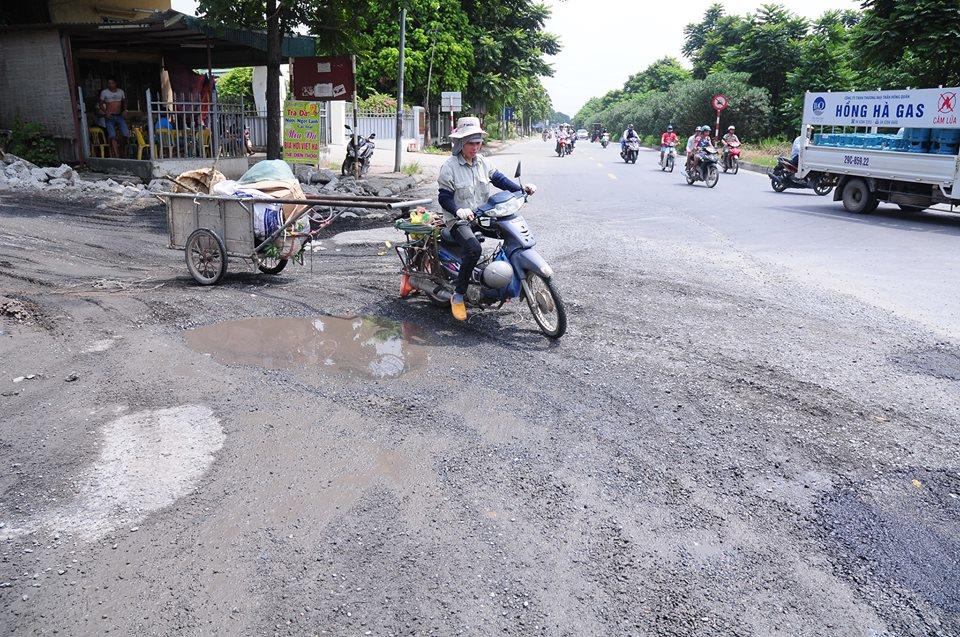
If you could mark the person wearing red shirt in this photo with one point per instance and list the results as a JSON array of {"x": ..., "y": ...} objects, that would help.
[{"x": 665, "y": 140}]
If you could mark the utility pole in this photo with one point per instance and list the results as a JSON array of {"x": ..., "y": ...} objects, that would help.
[
  {"x": 426, "y": 100},
  {"x": 403, "y": 44}
]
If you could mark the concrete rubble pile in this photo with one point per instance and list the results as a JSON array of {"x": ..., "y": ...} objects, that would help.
[
  {"x": 17, "y": 174},
  {"x": 325, "y": 181}
]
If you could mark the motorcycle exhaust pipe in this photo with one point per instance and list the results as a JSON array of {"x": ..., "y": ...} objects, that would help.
[{"x": 425, "y": 283}]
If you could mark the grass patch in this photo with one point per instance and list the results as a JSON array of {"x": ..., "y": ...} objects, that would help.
[
  {"x": 766, "y": 151},
  {"x": 435, "y": 150},
  {"x": 411, "y": 168}
]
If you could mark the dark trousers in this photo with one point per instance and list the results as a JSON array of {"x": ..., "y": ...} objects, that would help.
[{"x": 465, "y": 238}]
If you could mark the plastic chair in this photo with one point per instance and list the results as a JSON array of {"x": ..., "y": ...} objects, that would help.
[
  {"x": 203, "y": 141},
  {"x": 141, "y": 141},
  {"x": 98, "y": 141}
]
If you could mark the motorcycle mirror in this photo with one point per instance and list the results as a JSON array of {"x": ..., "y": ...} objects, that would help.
[
  {"x": 516, "y": 175},
  {"x": 372, "y": 135},
  {"x": 347, "y": 126}
]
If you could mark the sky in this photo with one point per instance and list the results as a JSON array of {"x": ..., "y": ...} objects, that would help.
[{"x": 595, "y": 60}]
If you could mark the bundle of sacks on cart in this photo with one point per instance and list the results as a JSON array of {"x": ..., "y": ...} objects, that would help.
[{"x": 268, "y": 179}]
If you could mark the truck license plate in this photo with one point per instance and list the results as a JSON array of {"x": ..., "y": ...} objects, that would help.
[{"x": 856, "y": 160}]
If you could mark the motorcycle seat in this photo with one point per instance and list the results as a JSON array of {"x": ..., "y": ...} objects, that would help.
[{"x": 447, "y": 238}]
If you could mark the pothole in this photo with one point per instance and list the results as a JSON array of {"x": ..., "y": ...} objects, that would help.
[{"x": 367, "y": 346}]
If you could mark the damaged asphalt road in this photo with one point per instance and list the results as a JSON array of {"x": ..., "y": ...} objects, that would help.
[{"x": 717, "y": 446}]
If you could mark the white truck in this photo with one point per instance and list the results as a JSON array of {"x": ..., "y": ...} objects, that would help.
[{"x": 898, "y": 146}]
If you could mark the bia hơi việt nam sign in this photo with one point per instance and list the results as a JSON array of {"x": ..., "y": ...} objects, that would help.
[{"x": 301, "y": 132}]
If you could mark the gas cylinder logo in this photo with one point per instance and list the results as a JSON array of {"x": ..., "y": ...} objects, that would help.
[
  {"x": 947, "y": 102},
  {"x": 819, "y": 105}
]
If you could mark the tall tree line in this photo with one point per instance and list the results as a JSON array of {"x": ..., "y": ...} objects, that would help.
[
  {"x": 887, "y": 44},
  {"x": 491, "y": 50}
]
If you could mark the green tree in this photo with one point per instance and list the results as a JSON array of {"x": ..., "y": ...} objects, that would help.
[
  {"x": 915, "y": 40},
  {"x": 657, "y": 77},
  {"x": 236, "y": 84},
  {"x": 769, "y": 48},
  {"x": 825, "y": 62},
  {"x": 706, "y": 42}
]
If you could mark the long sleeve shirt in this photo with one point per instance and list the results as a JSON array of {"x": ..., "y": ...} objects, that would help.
[{"x": 464, "y": 185}]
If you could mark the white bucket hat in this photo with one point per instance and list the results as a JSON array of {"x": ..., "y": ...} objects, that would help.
[{"x": 467, "y": 126}]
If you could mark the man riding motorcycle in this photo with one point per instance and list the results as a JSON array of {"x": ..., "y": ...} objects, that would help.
[
  {"x": 692, "y": 143},
  {"x": 666, "y": 140},
  {"x": 731, "y": 136},
  {"x": 628, "y": 134},
  {"x": 702, "y": 143},
  {"x": 464, "y": 182}
]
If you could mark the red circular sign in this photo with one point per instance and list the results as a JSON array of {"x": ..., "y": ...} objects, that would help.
[{"x": 719, "y": 102}]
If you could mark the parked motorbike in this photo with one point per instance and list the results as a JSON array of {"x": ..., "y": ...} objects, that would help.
[
  {"x": 561, "y": 146},
  {"x": 360, "y": 150},
  {"x": 707, "y": 172},
  {"x": 605, "y": 139},
  {"x": 784, "y": 175},
  {"x": 514, "y": 270},
  {"x": 247, "y": 141},
  {"x": 630, "y": 151},
  {"x": 731, "y": 157},
  {"x": 669, "y": 158}
]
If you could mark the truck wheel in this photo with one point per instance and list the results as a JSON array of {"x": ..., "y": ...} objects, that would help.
[{"x": 857, "y": 197}]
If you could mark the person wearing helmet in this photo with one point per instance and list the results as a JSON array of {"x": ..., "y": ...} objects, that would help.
[
  {"x": 703, "y": 142},
  {"x": 666, "y": 140},
  {"x": 692, "y": 144},
  {"x": 464, "y": 181},
  {"x": 731, "y": 136},
  {"x": 627, "y": 134}
]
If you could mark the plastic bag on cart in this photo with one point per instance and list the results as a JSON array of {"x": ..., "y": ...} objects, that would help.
[
  {"x": 268, "y": 170},
  {"x": 201, "y": 180}
]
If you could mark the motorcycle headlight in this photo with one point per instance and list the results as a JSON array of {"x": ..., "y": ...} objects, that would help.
[{"x": 507, "y": 208}]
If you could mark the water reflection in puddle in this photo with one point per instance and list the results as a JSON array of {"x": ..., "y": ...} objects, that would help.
[{"x": 370, "y": 346}]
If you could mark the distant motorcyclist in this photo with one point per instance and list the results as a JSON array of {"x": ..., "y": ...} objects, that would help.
[
  {"x": 798, "y": 145},
  {"x": 628, "y": 134},
  {"x": 702, "y": 142},
  {"x": 692, "y": 144},
  {"x": 731, "y": 136},
  {"x": 666, "y": 140}
]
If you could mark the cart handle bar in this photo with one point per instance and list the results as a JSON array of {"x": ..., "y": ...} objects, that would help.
[{"x": 333, "y": 201}]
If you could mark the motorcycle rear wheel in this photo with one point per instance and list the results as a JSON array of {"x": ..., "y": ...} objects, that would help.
[
  {"x": 690, "y": 178},
  {"x": 712, "y": 176},
  {"x": 778, "y": 184},
  {"x": 822, "y": 189},
  {"x": 545, "y": 304}
]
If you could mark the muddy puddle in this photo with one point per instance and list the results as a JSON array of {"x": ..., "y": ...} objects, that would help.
[{"x": 365, "y": 346}]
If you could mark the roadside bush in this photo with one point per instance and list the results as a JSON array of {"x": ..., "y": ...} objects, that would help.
[{"x": 30, "y": 141}]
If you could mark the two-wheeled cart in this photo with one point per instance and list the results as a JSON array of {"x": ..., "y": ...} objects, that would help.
[{"x": 212, "y": 228}]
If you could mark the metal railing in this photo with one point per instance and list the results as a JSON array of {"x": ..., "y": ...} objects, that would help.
[
  {"x": 191, "y": 127},
  {"x": 383, "y": 123}
]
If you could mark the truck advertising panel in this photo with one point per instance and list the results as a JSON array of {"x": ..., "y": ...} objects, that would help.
[{"x": 910, "y": 108}]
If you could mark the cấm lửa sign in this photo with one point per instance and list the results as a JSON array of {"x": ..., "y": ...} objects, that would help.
[{"x": 909, "y": 108}]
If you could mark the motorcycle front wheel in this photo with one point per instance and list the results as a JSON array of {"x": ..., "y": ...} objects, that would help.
[
  {"x": 670, "y": 162},
  {"x": 545, "y": 304},
  {"x": 779, "y": 185},
  {"x": 690, "y": 178},
  {"x": 822, "y": 189},
  {"x": 734, "y": 165},
  {"x": 712, "y": 176}
]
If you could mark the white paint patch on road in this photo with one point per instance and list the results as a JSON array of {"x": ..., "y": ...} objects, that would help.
[
  {"x": 612, "y": 176},
  {"x": 100, "y": 346},
  {"x": 148, "y": 460},
  {"x": 599, "y": 165},
  {"x": 367, "y": 237}
]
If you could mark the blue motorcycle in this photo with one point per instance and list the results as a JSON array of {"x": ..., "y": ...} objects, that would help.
[{"x": 514, "y": 269}]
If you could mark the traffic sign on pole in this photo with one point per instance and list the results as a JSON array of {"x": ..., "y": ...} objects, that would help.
[{"x": 719, "y": 103}]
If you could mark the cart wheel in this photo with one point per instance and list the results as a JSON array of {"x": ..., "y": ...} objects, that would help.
[
  {"x": 272, "y": 265},
  {"x": 206, "y": 257}
]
